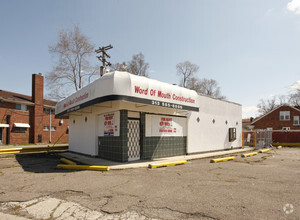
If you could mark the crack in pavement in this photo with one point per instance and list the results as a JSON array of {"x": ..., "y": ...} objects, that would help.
[
  {"x": 173, "y": 211},
  {"x": 49, "y": 207}
]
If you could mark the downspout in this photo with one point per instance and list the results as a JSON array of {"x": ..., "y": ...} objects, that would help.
[{"x": 8, "y": 129}]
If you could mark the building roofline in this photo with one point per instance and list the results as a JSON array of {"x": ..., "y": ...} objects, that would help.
[
  {"x": 2, "y": 90},
  {"x": 254, "y": 121},
  {"x": 16, "y": 101},
  {"x": 31, "y": 103},
  {"x": 223, "y": 100},
  {"x": 126, "y": 86}
]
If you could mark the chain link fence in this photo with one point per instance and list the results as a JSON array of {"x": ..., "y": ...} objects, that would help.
[{"x": 264, "y": 138}]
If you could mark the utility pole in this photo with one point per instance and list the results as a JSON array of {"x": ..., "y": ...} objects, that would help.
[{"x": 103, "y": 58}]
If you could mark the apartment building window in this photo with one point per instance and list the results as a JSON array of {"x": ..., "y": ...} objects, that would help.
[
  {"x": 46, "y": 128},
  {"x": 20, "y": 130},
  {"x": 53, "y": 128},
  {"x": 296, "y": 120},
  {"x": 21, "y": 127},
  {"x": 284, "y": 115},
  {"x": 286, "y": 128},
  {"x": 21, "y": 107},
  {"x": 48, "y": 110}
]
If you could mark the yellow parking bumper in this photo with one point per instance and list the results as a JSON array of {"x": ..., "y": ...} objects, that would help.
[
  {"x": 264, "y": 151},
  {"x": 83, "y": 167},
  {"x": 222, "y": 159},
  {"x": 249, "y": 154},
  {"x": 166, "y": 164},
  {"x": 69, "y": 162}
]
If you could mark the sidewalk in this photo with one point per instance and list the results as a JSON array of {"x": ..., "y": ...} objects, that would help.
[{"x": 87, "y": 160}]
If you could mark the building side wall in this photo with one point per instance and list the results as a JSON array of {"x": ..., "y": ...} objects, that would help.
[
  {"x": 82, "y": 134},
  {"x": 272, "y": 120},
  {"x": 208, "y": 130}
]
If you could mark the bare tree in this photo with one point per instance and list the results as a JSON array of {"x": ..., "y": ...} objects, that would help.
[
  {"x": 138, "y": 65},
  {"x": 72, "y": 69},
  {"x": 282, "y": 100},
  {"x": 211, "y": 88},
  {"x": 294, "y": 99},
  {"x": 194, "y": 84},
  {"x": 186, "y": 70},
  {"x": 205, "y": 86},
  {"x": 264, "y": 106},
  {"x": 119, "y": 67}
]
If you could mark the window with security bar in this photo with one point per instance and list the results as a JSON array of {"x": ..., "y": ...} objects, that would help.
[{"x": 284, "y": 115}]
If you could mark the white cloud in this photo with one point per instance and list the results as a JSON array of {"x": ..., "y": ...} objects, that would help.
[
  {"x": 250, "y": 111},
  {"x": 295, "y": 86},
  {"x": 294, "y": 6}
]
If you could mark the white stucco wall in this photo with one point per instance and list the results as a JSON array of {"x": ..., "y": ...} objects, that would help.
[
  {"x": 208, "y": 136},
  {"x": 82, "y": 135}
]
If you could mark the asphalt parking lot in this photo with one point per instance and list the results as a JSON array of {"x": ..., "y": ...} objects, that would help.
[{"x": 266, "y": 186}]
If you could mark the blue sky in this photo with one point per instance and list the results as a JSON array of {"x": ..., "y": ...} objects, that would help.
[{"x": 251, "y": 47}]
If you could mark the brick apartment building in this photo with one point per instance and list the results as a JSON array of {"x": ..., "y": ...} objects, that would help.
[
  {"x": 30, "y": 119},
  {"x": 281, "y": 118}
]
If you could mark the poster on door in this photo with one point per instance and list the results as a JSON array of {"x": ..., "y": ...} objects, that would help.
[
  {"x": 159, "y": 125},
  {"x": 166, "y": 125},
  {"x": 109, "y": 124}
]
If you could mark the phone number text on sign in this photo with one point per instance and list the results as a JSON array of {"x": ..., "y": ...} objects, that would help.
[{"x": 166, "y": 104}]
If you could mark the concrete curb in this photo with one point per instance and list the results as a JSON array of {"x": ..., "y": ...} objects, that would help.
[
  {"x": 88, "y": 160},
  {"x": 32, "y": 146},
  {"x": 33, "y": 149}
]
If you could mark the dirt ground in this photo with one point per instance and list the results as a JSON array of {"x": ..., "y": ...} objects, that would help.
[{"x": 266, "y": 186}]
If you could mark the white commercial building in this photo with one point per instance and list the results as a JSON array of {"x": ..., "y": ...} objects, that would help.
[{"x": 125, "y": 117}]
